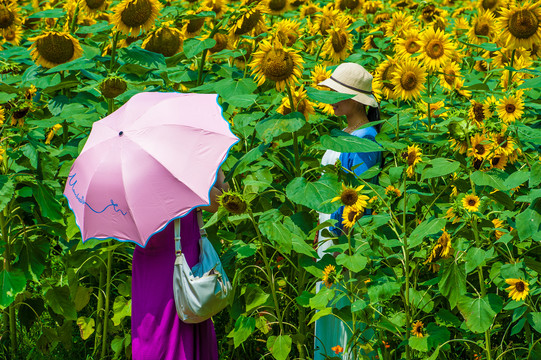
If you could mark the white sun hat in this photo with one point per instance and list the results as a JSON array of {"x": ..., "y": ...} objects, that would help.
[{"x": 351, "y": 78}]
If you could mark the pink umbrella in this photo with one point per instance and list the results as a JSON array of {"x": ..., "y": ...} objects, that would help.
[{"x": 152, "y": 160}]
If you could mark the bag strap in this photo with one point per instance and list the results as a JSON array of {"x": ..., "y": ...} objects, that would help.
[{"x": 202, "y": 232}]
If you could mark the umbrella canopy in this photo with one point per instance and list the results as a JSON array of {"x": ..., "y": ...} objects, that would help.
[{"x": 152, "y": 160}]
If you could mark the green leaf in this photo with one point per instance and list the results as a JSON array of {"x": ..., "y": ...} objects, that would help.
[
  {"x": 355, "y": 262},
  {"x": 343, "y": 142},
  {"x": 244, "y": 327},
  {"x": 82, "y": 297},
  {"x": 33, "y": 257},
  {"x": 319, "y": 314},
  {"x": 437, "y": 335},
  {"x": 77, "y": 64},
  {"x": 439, "y": 167},
  {"x": 281, "y": 230},
  {"x": 326, "y": 96},
  {"x": 516, "y": 178},
  {"x": 426, "y": 228},
  {"x": 279, "y": 346},
  {"x": 528, "y": 223},
  {"x": 480, "y": 312},
  {"x": 383, "y": 292},
  {"x": 475, "y": 257},
  {"x": 534, "y": 318},
  {"x": 322, "y": 298},
  {"x": 304, "y": 298},
  {"x": 421, "y": 300},
  {"x": 59, "y": 299},
  {"x": 358, "y": 305},
  {"x": 418, "y": 343},
  {"x": 255, "y": 297},
  {"x": 279, "y": 124},
  {"x": 11, "y": 283},
  {"x": 315, "y": 195},
  {"x": 492, "y": 178},
  {"x": 243, "y": 250},
  {"x": 86, "y": 326},
  {"x": 7, "y": 189},
  {"x": 238, "y": 93},
  {"x": 139, "y": 56},
  {"x": 50, "y": 207},
  {"x": 535, "y": 175},
  {"x": 121, "y": 309},
  {"x": 193, "y": 47},
  {"x": 453, "y": 283},
  {"x": 518, "y": 326},
  {"x": 49, "y": 13}
]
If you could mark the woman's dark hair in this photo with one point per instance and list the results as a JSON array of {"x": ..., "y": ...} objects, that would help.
[{"x": 373, "y": 115}]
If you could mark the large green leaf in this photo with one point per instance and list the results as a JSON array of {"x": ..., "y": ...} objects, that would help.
[
  {"x": 426, "y": 228},
  {"x": 86, "y": 326},
  {"x": 193, "y": 47},
  {"x": 383, "y": 292},
  {"x": 439, "y": 167},
  {"x": 282, "y": 230},
  {"x": 33, "y": 257},
  {"x": 238, "y": 93},
  {"x": 355, "y": 262},
  {"x": 279, "y": 346},
  {"x": 244, "y": 327},
  {"x": 529, "y": 223},
  {"x": 480, "y": 312},
  {"x": 322, "y": 298},
  {"x": 534, "y": 318},
  {"x": 255, "y": 297},
  {"x": 327, "y": 97},
  {"x": 11, "y": 283},
  {"x": 59, "y": 299},
  {"x": 121, "y": 309},
  {"x": 492, "y": 178},
  {"x": 453, "y": 283},
  {"x": 50, "y": 207},
  {"x": 343, "y": 142},
  {"x": 279, "y": 124},
  {"x": 535, "y": 175},
  {"x": 421, "y": 300},
  {"x": 7, "y": 189},
  {"x": 145, "y": 58},
  {"x": 315, "y": 195},
  {"x": 476, "y": 257}
]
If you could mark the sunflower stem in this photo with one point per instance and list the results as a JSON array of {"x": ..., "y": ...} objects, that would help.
[
  {"x": 74, "y": 20},
  {"x": 114, "y": 40},
  {"x": 406, "y": 269},
  {"x": 428, "y": 104},
  {"x": 319, "y": 50},
  {"x": 7, "y": 264},
  {"x": 511, "y": 71},
  {"x": 293, "y": 108},
  {"x": 99, "y": 310},
  {"x": 107, "y": 302}
]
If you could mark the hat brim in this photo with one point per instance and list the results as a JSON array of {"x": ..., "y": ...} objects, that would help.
[{"x": 365, "y": 99}]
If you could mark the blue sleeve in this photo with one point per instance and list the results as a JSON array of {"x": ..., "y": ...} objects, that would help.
[{"x": 358, "y": 163}]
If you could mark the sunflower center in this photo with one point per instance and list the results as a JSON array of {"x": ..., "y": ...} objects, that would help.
[
  {"x": 480, "y": 149},
  {"x": 387, "y": 76},
  {"x": 478, "y": 112},
  {"x": 338, "y": 41},
  {"x": 520, "y": 286},
  {"x": 277, "y": 5},
  {"x": 351, "y": 4},
  {"x": 195, "y": 25},
  {"x": 510, "y": 108},
  {"x": 352, "y": 215},
  {"x": 449, "y": 77},
  {"x": 523, "y": 24},
  {"x": 471, "y": 202},
  {"x": 481, "y": 29},
  {"x": 489, "y": 4},
  {"x": 6, "y": 18},
  {"x": 55, "y": 48},
  {"x": 324, "y": 25},
  {"x": 434, "y": 48},
  {"x": 94, "y": 4},
  {"x": 278, "y": 65},
  {"x": 136, "y": 13},
  {"x": 165, "y": 42},
  {"x": 221, "y": 43},
  {"x": 408, "y": 80},
  {"x": 412, "y": 46},
  {"x": 9, "y": 34},
  {"x": 249, "y": 21},
  {"x": 349, "y": 197},
  {"x": 495, "y": 160}
]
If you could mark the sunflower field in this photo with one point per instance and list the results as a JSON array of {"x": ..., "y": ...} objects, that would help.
[{"x": 447, "y": 264}]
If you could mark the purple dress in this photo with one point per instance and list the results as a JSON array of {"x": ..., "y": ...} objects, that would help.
[{"x": 157, "y": 331}]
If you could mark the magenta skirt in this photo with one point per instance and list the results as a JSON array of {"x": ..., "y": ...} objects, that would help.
[{"x": 157, "y": 332}]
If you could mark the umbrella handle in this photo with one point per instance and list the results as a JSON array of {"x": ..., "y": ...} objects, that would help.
[{"x": 178, "y": 247}]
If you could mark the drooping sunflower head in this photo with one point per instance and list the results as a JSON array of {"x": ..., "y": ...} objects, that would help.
[
  {"x": 492, "y": 5},
  {"x": 450, "y": 76},
  {"x": 134, "y": 16},
  {"x": 518, "y": 290},
  {"x": 287, "y": 31},
  {"x": 276, "y": 63},
  {"x": 384, "y": 76},
  {"x": 520, "y": 25},
  {"x": 218, "y": 6},
  {"x": 503, "y": 143},
  {"x": 165, "y": 40},
  {"x": 412, "y": 157},
  {"x": 249, "y": 20},
  {"x": 398, "y": 24},
  {"x": 480, "y": 148},
  {"x": 93, "y": 6},
  {"x": 409, "y": 79},
  {"x": 483, "y": 28},
  {"x": 476, "y": 113},
  {"x": 324, "y": 21},
  {"x": 498, "y": 161},
  {"x": 112, "y": 86},
  {"x": 441, "y": 250},
  {"x": 498, "y": 224},
  {"x": 195, "y": 23},
  {"x": 350, "y": 216},
  {"x": 330, "y": 275},
  {"x": 54, "y": 48},
  {"x": 371, "y": 6},
  {"x": 275, "y": 7},
  {"x": 9, "y": 15},
  {"x": 300, "y": 103},
  {"x": 309, "y": 10},
  {"x": 233, "y": 202},
  {"x": 352, "y": 6},
  {"x": 417, "y": 328},
  {"x": 13, "y": 35},
  {"x": 436, "y": 48},
  {"x": 338, "y": 44},
  {"x": 471, "y": 202}
]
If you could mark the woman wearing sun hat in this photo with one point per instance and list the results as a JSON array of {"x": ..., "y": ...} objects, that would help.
[{"x": 360, "y": 110}]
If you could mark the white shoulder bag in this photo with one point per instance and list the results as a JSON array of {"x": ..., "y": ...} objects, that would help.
[{"x": 204, "y": 290}]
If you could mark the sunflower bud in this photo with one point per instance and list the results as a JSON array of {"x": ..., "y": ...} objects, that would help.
[
  {"x": 9, "y": 68},
  {"x": 233, "y": 202},
  {"x": 112, "y": 86}
]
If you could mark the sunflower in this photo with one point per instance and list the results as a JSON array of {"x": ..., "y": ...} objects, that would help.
[
  {"x": 369, "y": 43},
  {"x": 329, "y": 275},
  {"x": 412, "y": 157},
  {"x": 502, "y": 58},
  {"x": 408, "y": 44},
  {"x": 112, "y": 86},
  {"x": 324, "y": 21},
  {"x": 498, "y": 161},
  {"x": 489, "y": 106},
  {"x": 476, "y": 113},
  {"x": 518, "y": 290},
  {"x": 498, "y": 224},
  {"x": 287, "y": 31},
  {"x": 218, "y": 6},
  {"x": 480, "y": 147},
  {"x": 409, "y": 79},
  {"x": 511, "y": 108},
  {"x": 249, "y": 20},
  {"x": 452, "y": 215},
  {"x": 471, "y": 203},
  {"x": 483, "y": 28},
  {"x": 436, "y": 48},
  {"x": 417, "y": 328},
  {"x": 398, "y": 24},
  {"x": 222, "y": 42},
  {"x": 233, "y": 202},
  {"x": 275, "y": 7},
  {"x": 52, "y": 133},
  {"x": 193, "y": 27},
  {"x": 435, "y": 109},
  {"x": 133, "y": 16},
  {"x": 392, "y": 191},
  {"x": 371, "y": 7},
  {"x": 338, "y": 44},
  {"x": 352, "y": 6},
  {"x": 54, "y": 48},
  {"x": 450, "y": 77},
  {"x": 309, "y": 10},
  {"x": 165, "y": 40},
  {"x": 301, "y": 103},
  {"x": 319, "y": 74},
  {"x": 350, "y": 196},
  {"x": 517, "y": 77},
  {"x": 13, "y": 35},
  {"x": 92, "y": 6},
  {"x": 350, "y": 216},
  {"x": 503, "y": 144},
  {"x": 460, "y": 27},
  {"x": 382, "y": 18},
  {"x": 384, "y": 76},
  {"x": 520, "y": 25},
  {"x": 276, "y": 63},
  {"x": 492, "y": 5},
  {"x": 441, "y": 250},
  {"x": 9, "y": 15}
]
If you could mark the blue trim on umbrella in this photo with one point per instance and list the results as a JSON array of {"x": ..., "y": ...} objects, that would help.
[{"x": 178, "y": 217}]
